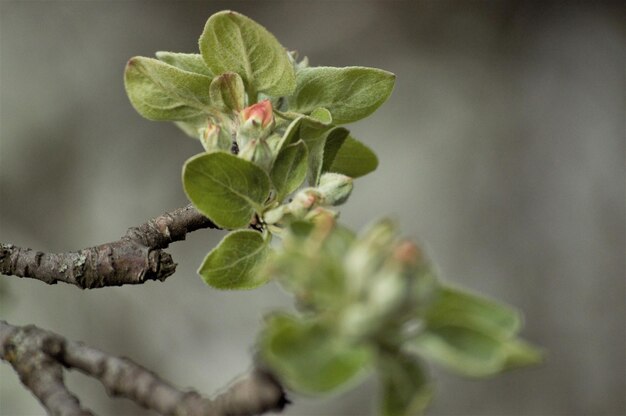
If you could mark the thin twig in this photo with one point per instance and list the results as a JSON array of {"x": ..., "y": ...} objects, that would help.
[
  {"x": 133, "y": 259},
  {"x": 38, "y": 357}
]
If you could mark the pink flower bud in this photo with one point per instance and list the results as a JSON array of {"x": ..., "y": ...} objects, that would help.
[
  {"x": 260, "y": 114},
  {"x": 256, "y": 123},
  {"x": 406, "y": 252},
  {"x": 303, "y": 202}
]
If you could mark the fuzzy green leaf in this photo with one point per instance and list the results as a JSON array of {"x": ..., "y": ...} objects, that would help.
[
  {"x": 406, "y": 389},
  {"x": 227, "y": 92},
  {"x": 308, "y": 357},
  {"x": 160, "y": 91},
  {"x": 353, "y": 159},
  {"x": 289, "y": 169},
  {"x": 321, "y": 145},
  {"x": 225, "y": 188},
  {"x": 190, "y": 62},
  {"x": 306, "y": 126},
  {"x": 232, "y": 42},
  {"x": 321, "y": 115},
  {"x": 291, "y": 134},
  {"x": 193, "y": 127},
  {"x": 235, "y": 262},
  {"x": 349, "y": 94}
]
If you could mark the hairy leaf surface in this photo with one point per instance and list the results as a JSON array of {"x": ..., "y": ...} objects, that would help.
[
  {"x": 350, "y": 94},
  {"x": 160, "y": 91},
  {"x": 225, "y": 188},
  {"x": 191, "y": 62},
  {"x": 232, "y": 42},
  {"x": 235, "y": 262}
]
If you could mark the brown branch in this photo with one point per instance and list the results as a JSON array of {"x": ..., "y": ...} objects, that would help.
[
  {"x": 258, "y": 393},
  {"x": 38, "y": 357},
  {"x": 43, "y": 376},
  {"x": 133, "y": 259}
]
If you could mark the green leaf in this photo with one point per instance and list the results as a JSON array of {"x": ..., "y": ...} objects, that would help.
[
  {"x": 227, "y": 92},
  {"x": 473, "y": 353},
  {"x": 454, "y": 306},
  {"x": 291, "y": 134},
  {"x": 193, "y": 127},
  {"x": 406, "y": 389},
  {"x": 190, "y": 62},
  {"x": 318, "y": 142},
  {"x": 473, "y": 335},
  {"x": 160, "y": 91},
  {"x": 289, "y": 169},
  {"x": 308, "y": 357},
  {"x": 349, "y": 94},
  {"x": 353, "y": 159},
  {"x": 236, "y": 261},
  {"x": 461, "y": 349},
  {"x": 322, "y": 115},
  {"x": 225, "y": 188},
  {"x": 232, "y": 42},
  {"x": 522, "y": 354}
]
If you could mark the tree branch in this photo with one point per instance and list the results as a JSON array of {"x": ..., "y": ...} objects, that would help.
[
  {"x": 38, "y": 357},
  {"x": 135, "y": 258}
]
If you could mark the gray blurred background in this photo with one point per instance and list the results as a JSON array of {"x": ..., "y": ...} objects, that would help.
[{"x": 501, "y": 150}]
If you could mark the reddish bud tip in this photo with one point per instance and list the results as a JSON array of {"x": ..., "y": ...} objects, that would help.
[{"x": 260, "y": 113}]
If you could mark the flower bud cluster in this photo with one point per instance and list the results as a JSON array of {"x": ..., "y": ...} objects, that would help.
[
  {"x": 255, "y": 125},
  {"x": 373, "y": 286},
  {"x": 333, "y": 189},
  {"x": 256, "y": 122},
  {"x": 388, "y": 279},
  {"x": 250, "y": 129}
]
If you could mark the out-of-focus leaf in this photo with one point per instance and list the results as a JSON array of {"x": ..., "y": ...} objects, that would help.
[
  {"x": 309, "y": 358},
  {"x": 454, "y": 306},
  {"x": 473, "y": 353},
  {"x": 406, "y": 390}
]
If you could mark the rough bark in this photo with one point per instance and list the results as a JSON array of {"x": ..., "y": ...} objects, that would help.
[
  {"x": 39, "y": 356},
  {"x": 135, "y": 258}
]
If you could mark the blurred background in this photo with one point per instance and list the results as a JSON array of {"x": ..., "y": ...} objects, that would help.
[{"x": 501, "y": 150}]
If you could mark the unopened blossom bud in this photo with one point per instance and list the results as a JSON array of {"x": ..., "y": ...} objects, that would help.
[
  {"x": 335, "y": 188},
  {"x": 274, "y": 215},
  {"x": 368, "y": 254},
  {"x": 256, "y": 122},
  {"x": 258, "y": 152},
  {"x": 303, "y": 202},
  {"x": 387, "y": 292},
  {"x": 214, "y": 138},
  {"x": 320, "y": 214},
  {"x": 407, "y": 253},
  {"x": 356, "y": 321}
]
